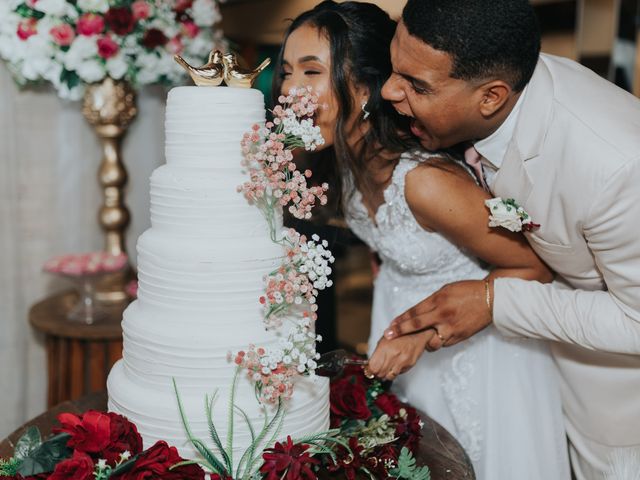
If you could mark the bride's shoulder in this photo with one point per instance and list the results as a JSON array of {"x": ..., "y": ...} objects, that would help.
[
  {"x": 436, "y": 184},
  {"x": 438, "y": 170}
]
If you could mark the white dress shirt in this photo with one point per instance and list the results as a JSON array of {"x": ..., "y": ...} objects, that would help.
[{"x": 494, "y": 147}]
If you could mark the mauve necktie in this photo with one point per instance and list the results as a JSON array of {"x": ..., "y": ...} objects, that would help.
[{"x": 474, "y": 160}]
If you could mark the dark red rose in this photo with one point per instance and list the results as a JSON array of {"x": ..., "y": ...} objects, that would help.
[
  {"x": 78, "y": 467},
  {"x": 215, "y": 476},
  {"x": 123, "y": 437},
  {"x": 378, "y": 460},
  {"x": 348, "y": 400},
  {"x": 91, "y": 432},
  {"x": 155, "y": 464},
  {"x": 120, "y": 20},
  {"x": 154, "y": 38},
  {"x": 388, "y": 403},
  {"x": 182, "y": 5},
  {"x": 288, "y": 461},
  {"x": 348, "y": 463},
  {"x": 410, "y": 431}
]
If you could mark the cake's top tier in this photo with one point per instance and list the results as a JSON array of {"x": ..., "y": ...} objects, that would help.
[{"x": 204, "y": 125}]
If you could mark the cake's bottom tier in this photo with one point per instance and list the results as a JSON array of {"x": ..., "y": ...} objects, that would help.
[{"x": 157, "y": 417}]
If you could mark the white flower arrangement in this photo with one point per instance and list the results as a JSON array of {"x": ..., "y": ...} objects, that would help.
[
  {"x": 508, "y": 214},
  {"x": 71, "y": 43}
]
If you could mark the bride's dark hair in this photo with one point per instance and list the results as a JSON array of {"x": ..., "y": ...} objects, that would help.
[{"x": 359, "y": 36}]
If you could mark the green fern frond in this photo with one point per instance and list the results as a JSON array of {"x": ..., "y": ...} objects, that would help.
[
  {"x": 232, "y": 402},
  {"x": 9, "y": 468},
  {"x": 248, "y": 454},
  {"x": 214, "y": 463},
  {"x": 407, "y": 468},
  {"x": 214, "y": 433}
]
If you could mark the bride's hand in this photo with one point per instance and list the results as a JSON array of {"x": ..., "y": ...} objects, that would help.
[
  {"x": 454, "y": 313},
  {"x": 393, "y": 357}
]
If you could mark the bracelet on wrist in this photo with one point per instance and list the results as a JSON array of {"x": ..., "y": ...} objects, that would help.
[{"x": 487, "y": 293}]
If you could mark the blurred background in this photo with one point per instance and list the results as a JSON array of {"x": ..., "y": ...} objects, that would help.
[{"x": 50, "y": 196}]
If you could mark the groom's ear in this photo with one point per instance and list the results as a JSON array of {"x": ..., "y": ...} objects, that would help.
[{"x": 494, "y": 95}]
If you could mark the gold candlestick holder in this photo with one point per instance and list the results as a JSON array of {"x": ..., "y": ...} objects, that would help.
[{"x": 110, "y": 106}]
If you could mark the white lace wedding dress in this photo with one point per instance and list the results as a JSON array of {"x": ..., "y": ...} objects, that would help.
[{"x": 497, "y": 396}]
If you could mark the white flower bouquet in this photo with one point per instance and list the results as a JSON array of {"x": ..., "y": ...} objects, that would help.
[{"x": 71, "y": 43}]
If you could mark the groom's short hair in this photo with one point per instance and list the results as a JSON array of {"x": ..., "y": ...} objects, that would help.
[{"x": 485, "y": 38}]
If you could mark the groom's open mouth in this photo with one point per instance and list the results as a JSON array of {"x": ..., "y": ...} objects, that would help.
[{"x": 417, "y": 129}]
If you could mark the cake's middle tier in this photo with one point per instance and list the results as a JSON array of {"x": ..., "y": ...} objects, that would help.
[
  {"x": 203, "y": 278},
  {"x": 204, "y": 202}
]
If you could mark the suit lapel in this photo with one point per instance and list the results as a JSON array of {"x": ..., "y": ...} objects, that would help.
[{"x": 512, "y": 179}]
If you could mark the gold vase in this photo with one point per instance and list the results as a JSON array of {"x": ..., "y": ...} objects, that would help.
[{"x": 110, "y": 106}]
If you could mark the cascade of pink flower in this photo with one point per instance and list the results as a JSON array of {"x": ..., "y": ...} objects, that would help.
[{"x": 290, "y": 290}]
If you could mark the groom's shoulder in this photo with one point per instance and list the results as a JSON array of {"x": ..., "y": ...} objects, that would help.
[{"x": 589, "y": 110}]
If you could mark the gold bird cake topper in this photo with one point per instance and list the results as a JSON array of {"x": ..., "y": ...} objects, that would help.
[{"x": 222, "y": 68}]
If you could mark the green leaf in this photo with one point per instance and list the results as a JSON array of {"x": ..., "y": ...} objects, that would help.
[
  {"x": 232, "y": 400},
  {"x": 28, "y": 443},
  {"x": 46, "y": 456},
  {"x": 25, "y": 11},
  {"x": 407, "y": 468},
  {"x": 214, "y": 433},
  {"x": 9, "y": 468},
  {"x": 249, "y": 452},
  {"x": 208, "y": 455},
  {"x": 70, "y": 78}
]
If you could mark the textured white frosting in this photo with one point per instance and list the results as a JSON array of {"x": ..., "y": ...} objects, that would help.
[{"x": 200, "y": 270}]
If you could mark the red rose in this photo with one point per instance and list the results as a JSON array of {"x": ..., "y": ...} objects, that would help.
[
  {"x": 120, "y": 20},
  {"x": 190, "y": 29},
  {"x": 78, "y": 467},
  {"x": 155, "y": 464},
  {"x": 154, "y": 38},
  {"x": 175, "y": 45},
  {"x": 26, "y": 28},
  {"x": 89, "y": 433},
  {"x": 123, "y": 437},
  {"x": 388, "y": 403},
  {"x": 182, "y": 5},
  {"x": 90, "y": 24},
  {"x": 63, "y": 34},
  {"x": 349, "y": 400},
  {"x": 107, "y": 48},
  {"x": 141, "y": 9}
]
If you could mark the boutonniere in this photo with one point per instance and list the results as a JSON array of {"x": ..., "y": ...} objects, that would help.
[{"x": 508, "y": 214}]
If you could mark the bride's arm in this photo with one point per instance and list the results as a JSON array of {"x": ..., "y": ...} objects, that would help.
[{"x": 445, "y": 199}]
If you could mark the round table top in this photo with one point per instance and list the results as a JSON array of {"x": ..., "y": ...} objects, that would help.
[
  {"x": 49, "y": 316},
  {"x": 438, "y": 449}
]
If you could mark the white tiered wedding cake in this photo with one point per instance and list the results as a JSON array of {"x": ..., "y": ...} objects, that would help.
[{"x": 200, "y": 268}]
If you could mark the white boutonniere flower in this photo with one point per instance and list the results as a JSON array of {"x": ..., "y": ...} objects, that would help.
[{"x": 508, "y": 214}]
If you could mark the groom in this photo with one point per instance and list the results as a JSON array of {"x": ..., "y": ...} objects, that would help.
[{"x": 565, "y": 145}]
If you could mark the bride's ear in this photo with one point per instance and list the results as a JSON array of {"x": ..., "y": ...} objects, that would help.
[{"x": 494, "y": 95}]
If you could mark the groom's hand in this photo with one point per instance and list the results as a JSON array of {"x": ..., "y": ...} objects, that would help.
[{"x": 456, "y": 312}]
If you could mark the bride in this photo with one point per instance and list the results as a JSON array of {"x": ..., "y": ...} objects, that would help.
[{"x": 424, "y": 215}]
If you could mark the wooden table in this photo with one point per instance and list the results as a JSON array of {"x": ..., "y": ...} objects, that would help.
[
  {"x": 79, "y": 356},
  {"x": 438, "y": 449}
]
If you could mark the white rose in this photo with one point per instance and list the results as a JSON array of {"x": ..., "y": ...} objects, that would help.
[
  {"x": 198, "y": 46},
  {"x": 502, "y": 215},
  {"x": 93, "y": 5},
  {"x": 73, "y": 94},
  {"x": 117, "y": 66},
  {"x": 56, "y": 8},
  {"x": 81, "y": 49},
  {"x": 205, "y": 13},
  {"x": 91, "y": 71}
]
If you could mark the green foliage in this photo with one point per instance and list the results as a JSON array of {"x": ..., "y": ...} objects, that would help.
[
  {"x": 37, "y": 456},
  {"x": 9, "y": 468},
  {"x": 407, "y": 468},
  {"x": 25, "y": 11}
]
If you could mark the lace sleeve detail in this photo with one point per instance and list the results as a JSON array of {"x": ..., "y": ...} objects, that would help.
[{"x": 396, "y": 212}]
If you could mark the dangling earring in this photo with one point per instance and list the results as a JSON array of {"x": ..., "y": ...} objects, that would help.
[{"x": 366, "y": 112}]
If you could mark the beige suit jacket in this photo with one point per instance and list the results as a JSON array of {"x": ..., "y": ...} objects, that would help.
[{"x": 574, "y": 165}]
